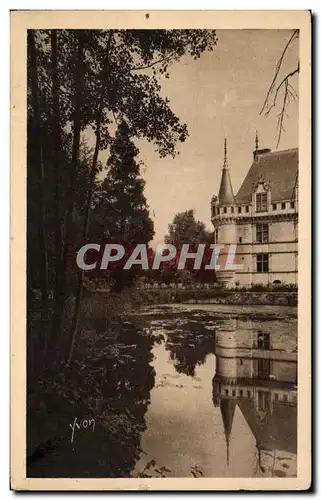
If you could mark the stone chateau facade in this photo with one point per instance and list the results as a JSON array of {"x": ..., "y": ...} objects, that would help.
[{"x": 261, "y": 219}]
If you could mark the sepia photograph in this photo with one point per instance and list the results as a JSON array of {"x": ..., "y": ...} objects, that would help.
[{"x": 160, "y": 242}]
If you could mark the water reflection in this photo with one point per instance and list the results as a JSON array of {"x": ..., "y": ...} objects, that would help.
[
  {"x": 110, "y": 382},
  {"x": 196, "y": 393},
  {"x": 225, "y": 398},
  {"x": 189, "y": 345},
  {"x": 261, "y": 380}
]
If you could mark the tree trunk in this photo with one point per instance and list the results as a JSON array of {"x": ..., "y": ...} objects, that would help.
[
  {"x": 75, "y": 144},
  {"x": 79, "y": 294},
  {"x": 37, "y": 133},
  {"x": 56, "y": 128},
  {"x": 61, "y": 290}
]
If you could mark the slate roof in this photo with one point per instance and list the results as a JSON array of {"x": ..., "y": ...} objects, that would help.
[
  {"x": 279, "y": 168},
  {"x": 278, "y": 430},
  {"x": 226, "y": 195}
]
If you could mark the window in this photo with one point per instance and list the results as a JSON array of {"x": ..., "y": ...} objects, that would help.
[
  {"x": 262, "y": 263},
  {"x": 262, "y": 233},
  {"x": 263, "y": 340},
  {"x": 232, "y": 210},
  {"x": 240, "y": 210},
  {"x": 285, "y": 398},
  {"x": 225, "y": 210},
  {"x": 261, "y": 202},
  {"x": 246, "y": 209},
  {"x": 240, "y": 239},
  {"x": 216, "y": 235},
  {"x": 226, "y": 392},
  {"x": 248, "y": 394},
  {"x": 274, "y": 206},
  {"x": 283, "y": 206},
  {"x": 233, "y": 393},
  {"x": 241, "y": 394},
  {"x": 276, "y": 396},
  {"x": 292, "y": 204},
  {"x": 241, "y": 362},
  {"x": 263, "y": 368},
  {"x": 264, "y": 400}
]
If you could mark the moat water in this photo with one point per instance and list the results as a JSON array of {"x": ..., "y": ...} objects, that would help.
[
  {"x": 178, "y": 391},
  {"x": 224, "y": 399}
]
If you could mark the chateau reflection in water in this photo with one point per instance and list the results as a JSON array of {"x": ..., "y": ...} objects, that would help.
[{"x": 260, "y": 378}]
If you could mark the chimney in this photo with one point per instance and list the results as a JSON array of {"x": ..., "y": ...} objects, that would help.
[{"x": 258, "y": 152}]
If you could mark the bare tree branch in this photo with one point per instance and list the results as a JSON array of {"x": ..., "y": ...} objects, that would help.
[
  {"x": 282, "y": 113},
  {"x": 276, "y": 86},
  {"x": 289, "y": 87},
  {"x": 294, "y": 35}
]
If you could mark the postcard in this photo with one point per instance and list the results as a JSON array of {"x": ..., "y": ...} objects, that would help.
[{"x": 160, "y": 243}]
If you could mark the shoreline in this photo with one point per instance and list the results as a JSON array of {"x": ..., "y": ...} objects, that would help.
[{"x": 228, "y": 297}]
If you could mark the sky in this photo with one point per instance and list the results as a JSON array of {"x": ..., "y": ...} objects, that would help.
[{"x": 219, "y": 95}]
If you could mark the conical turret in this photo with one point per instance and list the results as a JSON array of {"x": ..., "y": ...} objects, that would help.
[
  {"x": 227, "y": 412},
  {"x": 226, "y": 195}
]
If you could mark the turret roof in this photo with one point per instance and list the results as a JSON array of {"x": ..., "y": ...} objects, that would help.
[
  {"x": 226, "y": 195},
  {"x": 227, "y": 412}
]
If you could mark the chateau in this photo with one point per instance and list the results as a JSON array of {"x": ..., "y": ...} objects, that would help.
[{"x": 261, "y": 219}]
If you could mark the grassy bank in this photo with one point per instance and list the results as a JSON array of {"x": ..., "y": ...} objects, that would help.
[
  {"x": 231, "y": 297},
  {"x": 137, "y": 297}
]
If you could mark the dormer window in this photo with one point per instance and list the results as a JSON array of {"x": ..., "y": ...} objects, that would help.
[{"x": 261, "y": 202}]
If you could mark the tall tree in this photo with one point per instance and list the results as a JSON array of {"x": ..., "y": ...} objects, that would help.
[
  {"x": 122, "y": 88},
  {"x": 121, "y": 214},
  {"x": 94, "y": 79},
  {"x": 36, "y": 149},
  {"x": 186, "y": 229},
  {"x": 57, "y": 160},
  {"x": 122, "y": 209}
]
